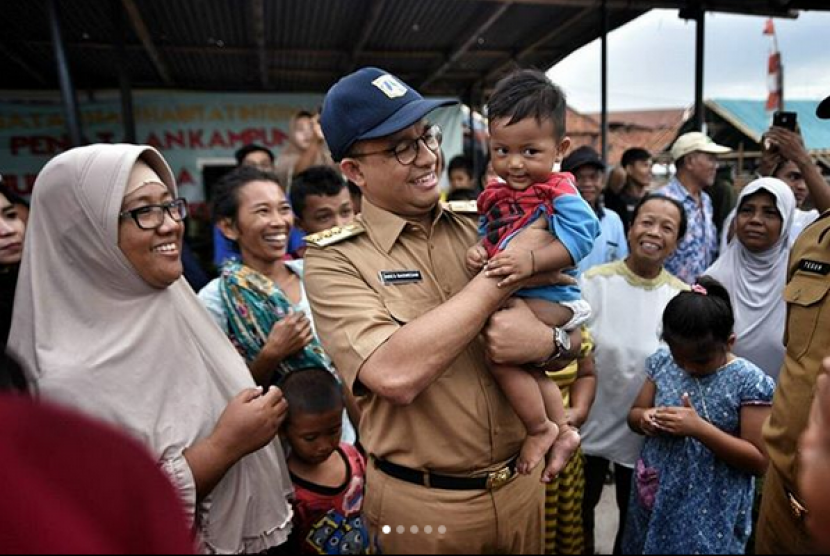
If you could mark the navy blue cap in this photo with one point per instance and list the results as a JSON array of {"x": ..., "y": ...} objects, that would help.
[
  {"x": 583, "y": 156},
  {"x": 823, "y": 110},
  {"x": 368, "y": 104}
]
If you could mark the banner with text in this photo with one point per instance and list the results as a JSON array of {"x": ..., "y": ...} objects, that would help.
[{"x": 192, "y": 130}]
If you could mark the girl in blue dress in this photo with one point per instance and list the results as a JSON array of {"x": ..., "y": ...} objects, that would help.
[{"x": 701, "y": 410}]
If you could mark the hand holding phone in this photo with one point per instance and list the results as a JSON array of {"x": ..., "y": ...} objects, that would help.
[{"x": 787, "y": 120}]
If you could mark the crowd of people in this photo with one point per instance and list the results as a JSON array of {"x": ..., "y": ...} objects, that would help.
[{"x": 378, "y": 366}]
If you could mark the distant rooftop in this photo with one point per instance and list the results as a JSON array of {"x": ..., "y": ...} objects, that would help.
[
  {"x": 653, "y": 130},
  {"x": 647, "y": 119},
  {"x": 752, "y": 119}
]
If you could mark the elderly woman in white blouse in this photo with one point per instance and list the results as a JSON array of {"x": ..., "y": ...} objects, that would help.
[{"x": 628, "y": 298}]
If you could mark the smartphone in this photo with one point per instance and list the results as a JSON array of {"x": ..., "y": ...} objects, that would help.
[{"x": 787, "y": 120}]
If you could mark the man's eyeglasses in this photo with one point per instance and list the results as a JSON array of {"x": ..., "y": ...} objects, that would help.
[
  {"x": 407, "y": 150},
  {"x": 151, "y": 217}
]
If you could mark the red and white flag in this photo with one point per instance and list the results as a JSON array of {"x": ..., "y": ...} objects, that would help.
[{"x": 775, "y": 72}]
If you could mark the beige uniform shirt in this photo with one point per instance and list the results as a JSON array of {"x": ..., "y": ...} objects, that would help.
[
  {"x": 808, "y": 342},
  {"x": 461, "y": 424}
]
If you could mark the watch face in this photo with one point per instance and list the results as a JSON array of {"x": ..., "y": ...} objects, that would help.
[{"x": 564, "y": 339}]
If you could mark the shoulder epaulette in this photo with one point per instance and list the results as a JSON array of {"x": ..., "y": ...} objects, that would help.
[
  {"x": 469, "y": 208},
  {"x": 335, "y": 235}
]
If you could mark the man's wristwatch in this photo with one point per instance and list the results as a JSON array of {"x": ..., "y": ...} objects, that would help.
[{"x": 562, "y": 345}]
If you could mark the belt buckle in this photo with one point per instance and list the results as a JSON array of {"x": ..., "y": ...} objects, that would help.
[
  {"x": 797, "y": 507},
  {"x": 499, "y": 478}
]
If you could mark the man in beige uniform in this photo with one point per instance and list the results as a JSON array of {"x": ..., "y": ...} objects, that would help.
[
  {"x": 781, "y": 525},
  {"x": 399, "y": 314}
]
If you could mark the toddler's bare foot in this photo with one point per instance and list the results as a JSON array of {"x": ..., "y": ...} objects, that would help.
[
  {"x": 535, "y": 446},
  {"x": 560, "y": 454}
]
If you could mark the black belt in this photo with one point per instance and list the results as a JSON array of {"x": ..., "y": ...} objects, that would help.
[{"x": 491, "y": 481}]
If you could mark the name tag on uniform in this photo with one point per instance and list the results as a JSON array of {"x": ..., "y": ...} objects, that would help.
[
  {"x": 814, "y": 267},
  {"x": 399, "y": 277}
]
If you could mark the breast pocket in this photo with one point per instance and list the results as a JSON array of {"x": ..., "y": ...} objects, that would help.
[{"x": 807, "y": 313}]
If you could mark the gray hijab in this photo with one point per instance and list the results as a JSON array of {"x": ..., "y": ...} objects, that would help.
[
  {"x": 93, "y": 335},
  {"x": 756, "y": 282}
]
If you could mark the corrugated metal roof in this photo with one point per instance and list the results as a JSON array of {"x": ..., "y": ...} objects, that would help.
[
  {"x": 752, "y": 118},
  {"x": 305, "y": 45},
  {"x": 447, "y": 47}
]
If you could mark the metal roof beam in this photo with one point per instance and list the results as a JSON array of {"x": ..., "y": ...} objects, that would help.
[
  {"x": 778, "y": 8},
  {"x": 249, "y": 51},
  {"x": 22, "y": 64},
  {"x": 258, "y": 25},
  {"x": 471, "y": 41},
  {"x": 333, "y": 74},
  {"x": 365, "y": 35},
  {"x": 557, "y": 31},
  {"x": 147, "y": 40}
]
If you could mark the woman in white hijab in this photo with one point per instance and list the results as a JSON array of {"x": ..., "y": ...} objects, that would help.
[
  {"x": 754, "y": 271},
  {"x": 104, "y": 323}
]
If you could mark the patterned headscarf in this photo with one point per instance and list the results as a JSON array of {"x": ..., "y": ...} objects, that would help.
[{"x": 254, "y": 304}]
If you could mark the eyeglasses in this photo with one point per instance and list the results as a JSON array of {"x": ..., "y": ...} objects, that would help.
[
  {"x": 407, "y": 151},
  {"x": 151, "y": 217}
]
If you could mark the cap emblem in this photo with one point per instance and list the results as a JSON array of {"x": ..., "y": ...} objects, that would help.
[{"x": 390, "y": 86}]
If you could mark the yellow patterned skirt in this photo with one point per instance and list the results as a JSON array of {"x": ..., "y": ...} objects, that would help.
[
  {"x": 563, "y": 509},
  {"x": 563, "y": 497}
]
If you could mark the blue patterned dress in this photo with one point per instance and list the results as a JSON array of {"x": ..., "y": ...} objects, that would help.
[{"x": 684, "y": 499}]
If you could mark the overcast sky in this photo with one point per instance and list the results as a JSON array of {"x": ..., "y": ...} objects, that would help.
[{"x": 652, "y": 61}]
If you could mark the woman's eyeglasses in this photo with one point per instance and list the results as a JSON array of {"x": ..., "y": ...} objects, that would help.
[
  {"x": 407, "y": 151},
  {"x": 151, "y": 217}
]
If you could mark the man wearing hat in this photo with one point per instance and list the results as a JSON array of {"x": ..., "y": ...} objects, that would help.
[
  {"x": 782, "y": 524},
  {"x": 588, "y": 169},
  {"x": 696, "y": 161},
  {"x": 400, "y": 316}
]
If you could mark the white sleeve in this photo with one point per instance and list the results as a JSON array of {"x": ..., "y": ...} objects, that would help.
[{"x": 212, "y": 300}]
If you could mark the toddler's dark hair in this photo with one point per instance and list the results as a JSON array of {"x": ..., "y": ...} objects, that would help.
[
  {"x": 323, "y": 181},
  {"x": 528, "y": 93},
  {"x": 311, "y": 390},
  {"x": 697, "y": 317}
]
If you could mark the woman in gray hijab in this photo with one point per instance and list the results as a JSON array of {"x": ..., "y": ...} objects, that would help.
[{"x": 104, "y": 323}]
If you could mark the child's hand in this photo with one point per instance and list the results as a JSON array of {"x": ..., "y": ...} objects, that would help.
[
  {"x": 679, "y": 421},
  {"x": 514, "y": 265},
  {"x": 476, "y": 258},
  {"x": 648, "y": 422}
]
